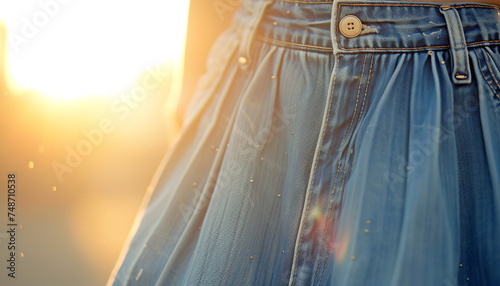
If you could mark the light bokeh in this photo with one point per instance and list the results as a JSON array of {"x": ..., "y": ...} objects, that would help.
[{"x": 70, "y": 65}]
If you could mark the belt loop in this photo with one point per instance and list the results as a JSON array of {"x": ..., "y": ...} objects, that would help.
[
  {"x": 257, "y": 8},
  {"x": 458, "y": 46}
]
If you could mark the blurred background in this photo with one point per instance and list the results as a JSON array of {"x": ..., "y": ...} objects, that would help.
[{"x": 88, "y": 93}]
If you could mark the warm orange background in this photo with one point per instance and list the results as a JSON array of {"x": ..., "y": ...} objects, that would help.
[
  {"x": 73, "y": 229},
  {"x": 73, "y": 235}
]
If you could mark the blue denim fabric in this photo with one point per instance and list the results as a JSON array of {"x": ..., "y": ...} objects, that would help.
[{"x": 309, "y": 158}]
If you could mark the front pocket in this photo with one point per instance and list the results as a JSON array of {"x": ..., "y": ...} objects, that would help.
[{"x": 489, "y": 61}]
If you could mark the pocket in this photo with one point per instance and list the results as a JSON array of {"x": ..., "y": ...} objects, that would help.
[
  {"x": 220, "y": 58},
  {"x": 489, "y": 62}
]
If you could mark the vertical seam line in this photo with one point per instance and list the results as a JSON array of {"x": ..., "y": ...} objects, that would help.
[
  {"x": 357, "y": 100},
  {"x": 296, "y": 258},
  {"x": 484, "y": 75},
  {"x": 456, "y": 54},
  {"x": 489, "y": 68},
  {"x": 343, "y": 177},
  {"x": 338, "y": 168}
]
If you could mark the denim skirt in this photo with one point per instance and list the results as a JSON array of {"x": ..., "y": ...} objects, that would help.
[{"x": 333, "y": 143}]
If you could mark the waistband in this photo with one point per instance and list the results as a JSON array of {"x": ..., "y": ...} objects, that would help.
[{"x": 373, "y": 26}]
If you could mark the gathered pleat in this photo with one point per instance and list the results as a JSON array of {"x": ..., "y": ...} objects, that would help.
[
  {"x": 402, "y": 212},
  {"x": 237, "y": 172},
  {"x": 314, "y": 167}
]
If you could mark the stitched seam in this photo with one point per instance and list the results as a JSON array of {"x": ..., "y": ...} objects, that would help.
[
  {"x": 489, "y": 68},
  {"x": 452, "y": 40},
  {"x": 338, "y": 167},
  {"x": 330, "y": 49},
  {"x": 416, "y": 48},
  {"x": 480, "y": 42},
  {"x": 296, "y": 48},
  {"x": 416, "y": 5},
  {"x": 455, "y": 53},
  {"x": 338, "y": 23},
  {"x": 295, "y": 44},
  {"x": 357, "y": 99},
  {"x": 250, "y": 31},
  {"x": 408, "y": 5},
  {"x": 343, "y": 177},
  {"x": 366, "y": 89},
  {"x": 484, "y": 75},
  {"x": 380, "y": 4},
  {"x": 462, "y": 38},
  {"x": 337, "y": 59}
]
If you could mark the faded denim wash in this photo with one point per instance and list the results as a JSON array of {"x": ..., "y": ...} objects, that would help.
[{"x": 309, "y": 158}]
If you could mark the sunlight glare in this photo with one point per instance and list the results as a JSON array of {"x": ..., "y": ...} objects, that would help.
[{"x": 72, "y": 48}]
